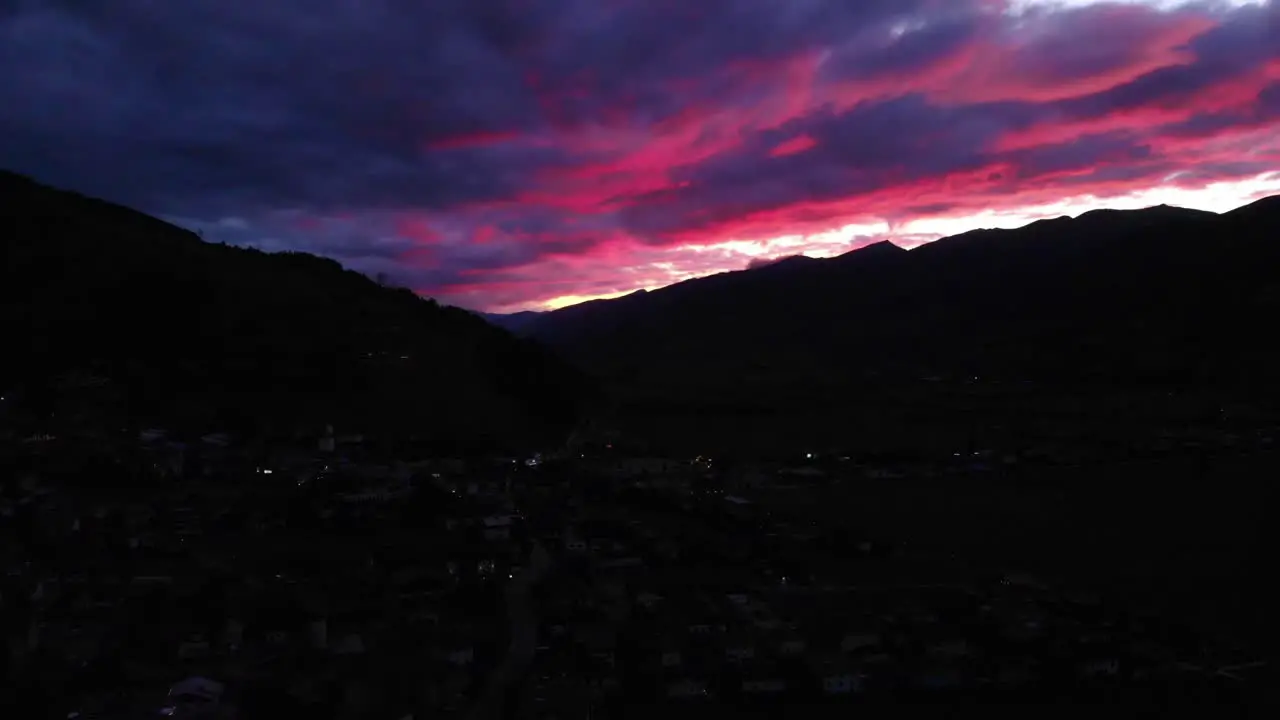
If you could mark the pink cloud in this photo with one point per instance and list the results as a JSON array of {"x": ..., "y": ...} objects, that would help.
[{"x": 794, "y": 145}]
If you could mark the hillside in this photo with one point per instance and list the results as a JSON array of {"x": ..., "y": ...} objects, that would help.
[
  {"x": 519, "y": 323},
  {"x": 1161, "y": 297},
  {"x": 209, "y": 336}
]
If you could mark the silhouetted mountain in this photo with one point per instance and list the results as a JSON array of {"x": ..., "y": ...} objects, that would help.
[
  {"x": 519, "y": 323},
  {"x": 1260, "y": 210},
  {"x": 210, "y": 336},
  {"x": 1162, "y": 295}
]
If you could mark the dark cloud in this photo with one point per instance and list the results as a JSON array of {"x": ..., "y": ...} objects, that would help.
[
  {"x": 257, "y": 104},
  {"x": 1083, "y": 153},
  {"x": 908, "y": 48},
  {"x": 629, "y": 51}
]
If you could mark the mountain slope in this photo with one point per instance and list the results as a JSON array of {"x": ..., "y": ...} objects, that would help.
[
  {"x": 215, "y": 336},
  {"x": 518, "y": 323},
  {"x": 1156, "y": 296}
]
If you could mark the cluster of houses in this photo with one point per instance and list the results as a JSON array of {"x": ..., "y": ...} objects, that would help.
[
  {"x": 282, "y": 580},
  {"x": 805, "y": 468},
  {"x": 285, "y": 580},
  {"x": 654, "y": 601}
]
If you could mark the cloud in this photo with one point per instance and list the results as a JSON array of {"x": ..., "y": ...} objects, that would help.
[{"x": 505, "y": 153}]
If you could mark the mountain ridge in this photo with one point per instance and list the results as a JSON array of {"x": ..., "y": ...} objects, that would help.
[
  {"x": 531, "y": 319},
  {"x": 1123, "y": 295},
  {"x": 214, "y": 336}
]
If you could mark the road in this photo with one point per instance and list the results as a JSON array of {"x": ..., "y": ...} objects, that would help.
[{"x": 523, "y": 622}]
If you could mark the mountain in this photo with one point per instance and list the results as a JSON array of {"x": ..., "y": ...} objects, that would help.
[
  {"x": 518, "y": 323},
  {"x": 209, "y": 336},
  {"x": 1157, "y": 297}
]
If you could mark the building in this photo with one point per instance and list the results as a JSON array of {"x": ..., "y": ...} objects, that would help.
[{"x": 196, "y": 697}]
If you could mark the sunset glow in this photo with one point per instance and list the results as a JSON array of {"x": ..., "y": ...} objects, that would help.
[{"x": 505, "y": 155}]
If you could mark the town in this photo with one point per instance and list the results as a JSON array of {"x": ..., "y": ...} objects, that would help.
[{"x": 207, "y": 577}]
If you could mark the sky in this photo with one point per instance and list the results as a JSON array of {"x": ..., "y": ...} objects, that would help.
[{"x": 504, "y": 155}]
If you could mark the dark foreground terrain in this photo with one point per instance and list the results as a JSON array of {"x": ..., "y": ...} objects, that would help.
[{"x": 1179, "y": 538}]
